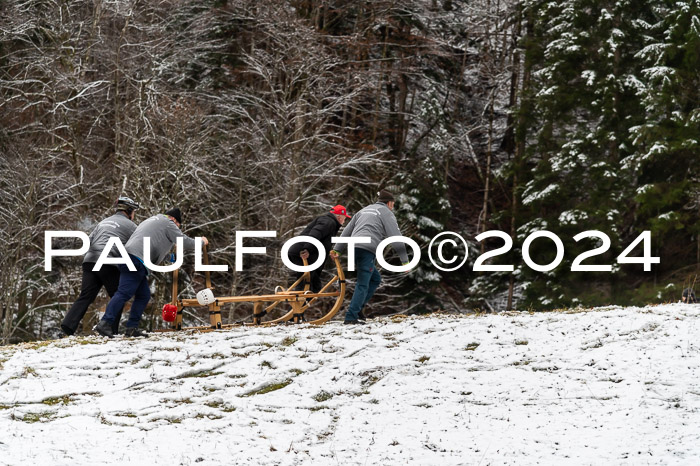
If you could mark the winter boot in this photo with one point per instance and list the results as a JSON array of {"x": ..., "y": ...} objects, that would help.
[
  {"x": 354, "y": 322},
  {"x": 104, "y": 328},
  {"x": 134, "y": 332},
  {"x": 361, "y": 316}
]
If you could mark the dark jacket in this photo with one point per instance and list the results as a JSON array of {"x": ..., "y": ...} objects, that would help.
[{"x": 322, "y": 228}]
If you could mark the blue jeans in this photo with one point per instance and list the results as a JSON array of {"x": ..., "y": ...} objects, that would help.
[
  {"x": 368, "y": 279},
  {"x": 131, "y": 284}
]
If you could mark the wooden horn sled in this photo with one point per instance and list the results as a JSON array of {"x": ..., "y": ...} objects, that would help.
[{"x": 299, "y": 301}]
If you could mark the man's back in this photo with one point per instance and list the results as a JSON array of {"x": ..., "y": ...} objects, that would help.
[
  {"x": 377, "y": 222},
  {"x": 323, "y": 228},
  {"x": 163, "y": 234},
  {"x": 117, "y": 225}
]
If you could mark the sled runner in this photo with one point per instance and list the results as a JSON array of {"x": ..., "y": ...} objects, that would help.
[{"x": 299, "y": 301}]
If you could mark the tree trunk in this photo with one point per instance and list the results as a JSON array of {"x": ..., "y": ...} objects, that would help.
[
  {"x": 519, "y": 136},
  {"x": 487, "y": 187}
]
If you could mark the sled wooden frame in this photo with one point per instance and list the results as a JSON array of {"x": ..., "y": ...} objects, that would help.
[{"x": 300, "y": 301}]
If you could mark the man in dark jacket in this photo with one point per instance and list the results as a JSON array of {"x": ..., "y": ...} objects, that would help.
[
  {"x": 323, "y": 228},
  {"x": 120, "y": 225},
  {"x": 163, "y": 231}
]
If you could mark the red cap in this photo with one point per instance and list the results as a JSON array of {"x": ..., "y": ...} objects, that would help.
[{"x": 340, "y": 210}]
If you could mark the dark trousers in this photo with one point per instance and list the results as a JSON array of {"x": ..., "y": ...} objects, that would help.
[
  {"x": 368, "y": 279},
  {"x": 92, "y": 283},
  {"x": 314, "y": 275},
  {"x": 131, "y": 284}
]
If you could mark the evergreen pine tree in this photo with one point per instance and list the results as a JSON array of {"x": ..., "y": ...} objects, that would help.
[
  {"x": 666, "y": 145},
  {"x": 584, "y": 100}
]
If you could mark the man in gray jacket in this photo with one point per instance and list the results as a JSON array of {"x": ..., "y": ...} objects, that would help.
[
  {"x": 376, "y": 221},
  {"x": 163, "y": 231},
  {"x": 120, "y": 225}
]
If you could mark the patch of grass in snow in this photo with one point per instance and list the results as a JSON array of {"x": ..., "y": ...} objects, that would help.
[
  {"x": 471, "y": 346},
  {"x": 370, "y": 378},
  {"x": 87, "y": 341},
  {"x": 177, "y": 402},
  {"x": 522, "y": 363},
  {"x": 34, "y": 345},
  {"x": 322, "y": 396},
  {"x": 268, "y": 388},
  {"x": 220, "y": 405},
  {"x": 318, "y": 408},
  {"x": 128, "y": 414},
  {"x": 171, "y": 348},
  {"x": 4, "y": 407},
  {"x": 27, "y": 371},
  {"x": 289, "y": 341},
  {"x": 169, "y": 420},
  {"x": 199, "y": 375},
  {"x": 296, "y": 371},
  {"x": 31, "y": 418},
  {"x": 267, "y": 364},
  {"x": 208, "y": 416},
  {"x": 545, "y": 369},
  {"x": 423, "y": 359},
  {"x": 236, "y": 376},
  {"x": 521, "y": 342},
  {"x": 64, "y": 400}
]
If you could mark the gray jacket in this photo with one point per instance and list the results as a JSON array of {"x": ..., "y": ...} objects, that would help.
[
  {"x": 116, "y": 225},
  {"x": 163, "y": 233},
  {"x": 377, "y": 222}
]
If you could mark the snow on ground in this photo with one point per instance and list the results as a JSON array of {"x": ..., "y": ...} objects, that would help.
[{"x": 603, "y": 386}]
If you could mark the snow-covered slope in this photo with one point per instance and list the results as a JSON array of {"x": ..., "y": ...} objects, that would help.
[{"x": 603, "y": 386}]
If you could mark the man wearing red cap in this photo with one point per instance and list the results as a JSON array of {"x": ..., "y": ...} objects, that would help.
[{"x": 323, "y": 228}]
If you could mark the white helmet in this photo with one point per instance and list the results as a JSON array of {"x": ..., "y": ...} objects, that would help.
[{"x": 205, "y": 297}]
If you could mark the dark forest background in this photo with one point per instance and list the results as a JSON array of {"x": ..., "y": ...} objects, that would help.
[{"x": 259, "y": 115}]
